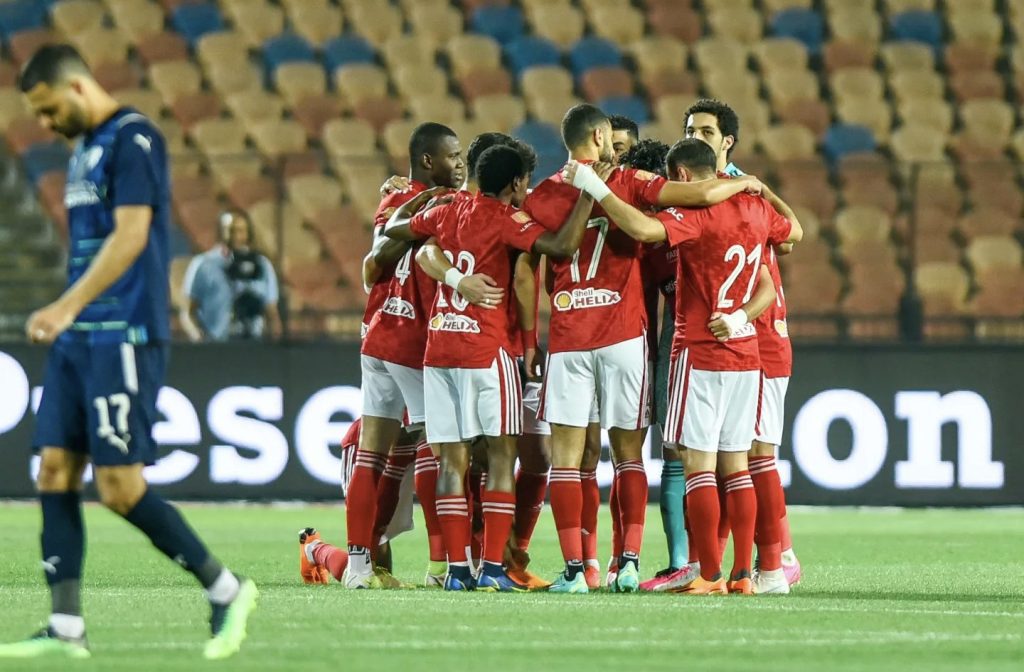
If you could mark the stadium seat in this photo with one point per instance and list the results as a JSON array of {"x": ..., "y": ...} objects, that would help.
[
  {"x": 668, "y": 83},
  {"x": 842, "y": 54},
  {"x": 162, "y": 47},
  {"x": 981, "y": 29},
  {"x": 193, "y": 21},
  {"x": 776, "y": 55},
  {"x": 991, "y": 253},
  {"x": 542, "y": 137},
  {"x": 175, "y": 78},
  {"x": 504, "y": 24},
  {"x": 259, "y": 22},
  {"x": 420, "y": 80},
  {"x": 899, "y": 56},
  {"x": 563, "y": 25},
  {"x": 485, "y": 82},
  {"x": 937, "y": 114},
  {"x": 530, "y": 52},
  {"x": 550, "y": 109},
  {"x": 313, "y": 112},
  {"x": 988, "y": 220},
  {"x": 632, "y": 107},
  {"x": 672, "y": 109},
  {"x": 598, "y": 83},
  {"x": 146, "y": 101},
  {"x": 286, "y": 48},
  {"x": 909, "y": 85},
  {"x": 857, "y": 84},
  {"x": 657, "y": 54},
  {"x": 594, "y": 52},
  {"x": 622, "y": 24},
  {"x": 787, "y": 142},
  {"x": 116, "y": 77},
  {"x": 731, "y": 86},
  {"x": 932, "y": 248},
  {"x": 198, "y": 218},
  {"x": 361, "y": 81},
  {"x": 500, "y": 112},
  {"x": 721, "y": 54},
  {"x": 311, "y": 194},
  {"x": 439, "y": 107},
  {"x": 408, "y": 49},
  {"x": 787, "y": 85},
  {"x": 682, "y": 23},
  {"x": 843, "y": 139},
  {"x": 137, "y": 20},
  {"x": 942, "y": 287},
  {"x": 913, "y": 143},
  {"x": 472, "y": 52},
  {"x": 991, "y": 118},
  {"x": 376, "y": 22},
  {"x": 918, "y": 26},
  {"x": 960, "y": 57},
  {"x": 378, "y": 112},
  {"x": 232, "y": 78},
  {"x": 347, "y": 50},
  {"x": 44, "y": 157},
  {"x": 255, "y": 106},
  {"x": 874, "y": 115},
  {"x": 435, "y": 26},
  {"x": 22, "y": 45},
  {"x": 276, "y": 138},
  {"x": 744, "y": 24},
  {"x": 900, "y": 6},
  {"x": 75, "y": 16},
  {"x": 219, "y": 136},
  {"x": 21, "y": 15},
  {"x": 297, "y": 80},
  {"x": 223, "y": 47},
  {"x": 544, "y": 81},
  {"x": 315, "y": 23},
  {"x": 804, "y": 25},
  {"x": 971, "y": 85},
  {"x": 863, "y": 222},
  {"x": 101, "y": 45},
  {"x": 349, "y": 137},
  {"x": 813, "y": 114},
  {"x": 853, "y": 26},
  {"x": 190, "y": 108}
]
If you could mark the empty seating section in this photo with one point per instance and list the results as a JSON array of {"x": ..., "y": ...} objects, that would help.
[{"x": 891, "y": 126}]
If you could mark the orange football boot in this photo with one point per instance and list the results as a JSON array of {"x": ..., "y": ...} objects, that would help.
[
  {"x": 701, "y": 586},
  {"x": 593, "y": 576},
  {"x": 742, "y": 586},
  {"x": 516, "y": 563},
  {"x": 309, "y": 570}
]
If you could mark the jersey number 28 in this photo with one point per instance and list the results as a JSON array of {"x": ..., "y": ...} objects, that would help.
[{"x": 466, "y": 263}]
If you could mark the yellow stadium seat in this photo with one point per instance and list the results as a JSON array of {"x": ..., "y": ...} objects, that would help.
[
  {"x": 719, "y": 5},
  {"x": 786, "y": 85},
  {"x": 279, "y": 137},
  {"x": 854, "y": 25},
  {"x": 222, "y": 48},
  {"x": 787, "y": 142},
  {"x": 409, "y": 49},
  {"x": 420, "y": 80},
  {"x": 101, "y": 45},
  {"x": 773, "y": 6},
  {"x": 720, "y": 54},
  {"x": 976, "y": 28},
  {"x": 551, "y": 108},
  {"x": 990, "y": 118},
  {"x": 989, "y": 253},
  {"x": 972, "y": 6},
  {"x": 672, "y": 109},
  {"x": 592, "y": 6},
  {"x": 899, "y": 56},
  {"x": 436, "y": 26},
  {"x": 665, "y": 132},
  {"x": 917, "y": 84},
  {"x": 258, "y": 22},
  {"x": 174, "y": 78},
  {"x": 781, "y": 54},
  {"x": 937, "y": 114},
  {"x": 621, "y": 24},
  {"x": 361, "y": 82},
  {"x": 297, "y": 80},
  {"x": 914, "y": 143},
  {"x": 255, "y": 107},
  {"x": 547, "y": 80},
  {"x": 898, "y": 6},
  {"x": 75, "y": 16},
  {"x": 658, "y": 53},
  {"x": 745, "y": 25},
  {"x": 874, "y": 114},
  {"x": 311, "y": 194},
  {"x": 473, "y": 52},
  {"x": 377, "y": 22},
  {"x": 315, "y": 22},
  {"x": 219, "y": 136},
  {"x": 349, "y": 137},
  {"x": 146, "y": 101},
  {"x": 441, "y": 108},
  {"x": 228, "y": 78},
  {"x": 396, "y": 137},
  {"x": 942, "y": 285},
  {"x": 137, "y": 20},
  {"x": 502, "y": 112},
  {"x": 840, "y": 5},
  {"x": 562, "y": 24},
  {"x": 863, "y": 223},
  {"x": 731, "y": 85},
  {"x": 857, "y": 84}
]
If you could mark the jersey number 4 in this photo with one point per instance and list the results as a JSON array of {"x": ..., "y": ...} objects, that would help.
[
  {"x": 601, "y": 224},
  {"x": 753, "y": 258}
]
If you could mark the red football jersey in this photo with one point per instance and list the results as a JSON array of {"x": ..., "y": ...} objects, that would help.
[
  {"x": 772, "y": 330},
  {"x": 720, "y": 250},
  {"x": 598, "y": 296},
  {"x": 379, "y": 290},
  {"x": 478, "y": 235}
]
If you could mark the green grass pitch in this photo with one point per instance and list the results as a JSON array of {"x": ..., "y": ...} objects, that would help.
[{"x": 883, "y": 589}]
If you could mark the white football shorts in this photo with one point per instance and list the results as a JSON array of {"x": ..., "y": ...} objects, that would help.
[
  {"x": 389, "y": 389},
  {"x": 462, "y": 404},
  {"x": 773, "y": 409}
]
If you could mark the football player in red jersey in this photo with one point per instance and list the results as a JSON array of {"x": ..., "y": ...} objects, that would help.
[
  {"x": 598, "y": 342},
  {"x": 471, "y": 384},
  {"x": 717, "y": 124},
  {"x": 714, "y": 384},
  {"x": 392, "y": 350}
]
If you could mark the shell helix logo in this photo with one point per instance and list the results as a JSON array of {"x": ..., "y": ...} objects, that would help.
[
  {"x": 454, "y": 322},
  {"x": 590, "y": 297},
  {"x": 399, "y": 308}
]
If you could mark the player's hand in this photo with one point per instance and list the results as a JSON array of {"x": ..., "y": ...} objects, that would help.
[
  {"x": 752, "y": 184},
  {"x": 49, "y": 322},
  {"x": 439, "y": 200},
  {"x": 718, "y": 327},
  {"x": 481, "y": 290},
  {"x": 394, "y": 184},
  {"x": 603, "y": 170},
  {"x": 533, "y": 362}
]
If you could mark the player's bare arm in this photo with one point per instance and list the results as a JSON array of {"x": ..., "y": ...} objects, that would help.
[
  {"x": 783, "y": 209},
  {"x": 564, "y": 244},
  {"x": 398, "y": 228},
  {"x": 636, "y": 224},
  {"x": 120, "y": 250},
  {"x": 384, "y": 252},
  {"x": 524, "y": 282},
  {"x": 723, "y": 326},
  {"x": 706, "y": 192},
  {"x": 479, "y": 289}
]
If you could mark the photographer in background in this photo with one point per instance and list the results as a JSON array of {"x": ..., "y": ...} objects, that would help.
[{"x": 231, "y": 290}]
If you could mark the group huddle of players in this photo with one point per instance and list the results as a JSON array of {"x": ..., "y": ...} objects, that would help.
[{"x": 455, "y": 384}]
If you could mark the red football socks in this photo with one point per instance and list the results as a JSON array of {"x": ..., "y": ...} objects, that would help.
[
  {"x": 567, "y": 507},
  {"x": 768, "y": 489},
  {"x": 632, "y": 478},
  {"x": 588, "y": 518},
  {"x": 723, "y": 518},
  {"x": 531, "y": 489},
  {"x": 499, "y": 509},
  {"x": 613, "y": 507},
  {"x": 389, "y": 488},
  {"x": 331, "y": 557},
  {"x": 361, "y": 498},
  {"x": 426, "y": 492},
  {"x": 702, "y": 507},
  {"x": 739, "y": 490},
  {"x": 453, "y": 515}
]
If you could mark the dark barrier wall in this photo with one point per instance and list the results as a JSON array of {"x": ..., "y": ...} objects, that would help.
[{"x": 864, "y": 426}]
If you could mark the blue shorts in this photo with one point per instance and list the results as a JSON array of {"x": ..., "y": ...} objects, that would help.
[{"x": 100, "y": 400}]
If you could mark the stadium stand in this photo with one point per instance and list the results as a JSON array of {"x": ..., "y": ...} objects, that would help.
[{"x": 892, "y": 125}]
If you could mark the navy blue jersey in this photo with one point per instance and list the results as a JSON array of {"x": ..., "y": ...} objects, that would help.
[{"x": 121, "y": 162}]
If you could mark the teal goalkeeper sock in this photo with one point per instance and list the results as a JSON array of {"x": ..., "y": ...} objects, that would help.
[{"x": 673, "y": 489}]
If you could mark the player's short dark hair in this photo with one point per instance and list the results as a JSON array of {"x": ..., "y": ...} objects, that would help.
[
  {"x": 51, "y": 64},
  {"x": 426, "y": 138},
  {"x": 621, "y": 122},
  {"x": 648, "y": 154},
  {"x": 499, "y": 166},
  {"x": 579, "y": 122},
  {"x": 728, "y": 121},
  {"x": 483, "y": 142},
  {"x": 692, "y": 154}
]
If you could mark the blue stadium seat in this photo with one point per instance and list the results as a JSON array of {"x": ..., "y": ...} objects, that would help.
[
  {"x": 593, "y": 52},
  {"x": 347, "y": 49},
  {"x": 805, "y": 25},
  {"x": 43, "y": 158},
  {"x": 21, "y": 15},
  {"x": 195, "y": 20},
  {"x": 502, "y": 23},
  {"x": 918, "y": 26},
  {"x": 286, "y": 48},
  {"x": 528, "y": 52},
  {"x": 633, "y": 107},
  {"x": 541, "y": 136},
  {"x": 548, "y": 163},
  {"x": 843, "y": 139}
]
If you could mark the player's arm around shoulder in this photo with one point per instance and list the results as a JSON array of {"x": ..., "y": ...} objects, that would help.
[
  {"x": 636, "y": 224},
  {"x": 479, "y": 289},
  {"x": 400, "y": 225},
  {"x": 782, "y": 209}
]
